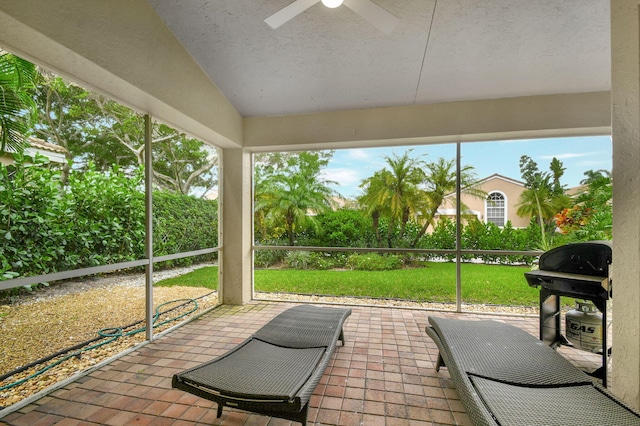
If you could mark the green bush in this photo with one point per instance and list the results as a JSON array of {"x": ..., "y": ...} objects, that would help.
[
  {"x": 314, "y": 260},
  {"x": 182, "y": 223},
  {"x": 268, "y": 258},
  {"x": 97, "y": 219},
  {"x": 414, "y": 260},
  {"x": 374, "y": 262},
  {"x": 443, "y": 237},
  {"x": 298, "y": 259},
  {"x": 341, "y": 228},
  {"x": 36, "y": 220},
  {"x": 477, "y": 235},
  {"x": 107, "y": 212}
]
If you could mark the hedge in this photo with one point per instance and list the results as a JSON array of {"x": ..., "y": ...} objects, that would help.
[{"x": 96, "y": 219}]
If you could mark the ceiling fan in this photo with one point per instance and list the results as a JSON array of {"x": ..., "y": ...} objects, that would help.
[{"x": 370, "y": 11}]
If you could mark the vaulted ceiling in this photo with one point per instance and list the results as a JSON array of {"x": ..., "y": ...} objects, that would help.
[
  {"x": 440, "y": 51},
  {"x": 328, "y": 77}
]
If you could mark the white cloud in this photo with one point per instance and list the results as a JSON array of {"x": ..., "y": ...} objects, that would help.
[
  {"x": 344, "y": 177},
  {"x": 348, "y": 180},
  {"x": 358, "y": 154},
  {"x": 567, "y": 155}
]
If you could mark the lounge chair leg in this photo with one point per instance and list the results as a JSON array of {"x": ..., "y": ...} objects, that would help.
[
  {"x": 439, "y": 362},
  {"x": 341, "y": 337},
  {"x": 220, "y": 406},
  {"x": 305, "y": 414}
]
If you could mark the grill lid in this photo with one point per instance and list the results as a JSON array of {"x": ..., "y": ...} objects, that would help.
[{"x": 586, "y": 258}]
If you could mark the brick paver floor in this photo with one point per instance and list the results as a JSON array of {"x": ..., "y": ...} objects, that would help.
[{"x": 383, "y": 375}]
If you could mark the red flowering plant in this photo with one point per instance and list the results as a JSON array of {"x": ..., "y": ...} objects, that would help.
[{"x": 572, "y": 219}]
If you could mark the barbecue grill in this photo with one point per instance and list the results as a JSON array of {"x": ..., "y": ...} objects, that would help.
[{"x": 578, "y": 270}]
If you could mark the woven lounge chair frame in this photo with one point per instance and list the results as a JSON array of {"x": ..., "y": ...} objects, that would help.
[
  {"x": 505, "y": 376},
  {"x": 275, "y": 370}
]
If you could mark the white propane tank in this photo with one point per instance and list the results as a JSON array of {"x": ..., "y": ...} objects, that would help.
[{"x": 584, "y": 327}]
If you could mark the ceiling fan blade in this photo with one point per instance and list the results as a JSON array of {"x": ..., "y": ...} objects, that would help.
[
  {"x": 373, "y": 13},
  {"x": 289, "y": 12}
]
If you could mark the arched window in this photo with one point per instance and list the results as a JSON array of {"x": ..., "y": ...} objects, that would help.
[{"x": 496, "y": 208}]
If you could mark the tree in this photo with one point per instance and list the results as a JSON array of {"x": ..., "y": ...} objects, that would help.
[
  {"x": 542, "y": 198},
  {"x": 596, "y": 176},
  {"x": 370, "y": 201},
  {"x": 105, "y": 133},
  {"x": 267, "y": 168},
  {"x": 557, "y": 171},
  {"x": 412, "y": 188},
  {"x": 394, "y": 192},
  {"x": 264, "y": 190},
  {"x": 65, "y": 113},
  {"x": 182, "y": 164},
  {"x": 179, "y": 163},
  {"x": 598, "y": 198},
  {"x": 296, "y": 192},
  {"x": 440, "y": 182},
  {"x": 17, "y": 78}
]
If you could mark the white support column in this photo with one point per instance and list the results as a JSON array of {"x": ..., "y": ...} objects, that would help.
[
  {"x": 236, "y": 209},
  {"x": 625, "y": 95}
]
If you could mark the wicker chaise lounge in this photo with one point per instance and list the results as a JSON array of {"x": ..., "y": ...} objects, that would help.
[
  {"x": 275, "y": 370},
  {"x": 505, "y": 376}
]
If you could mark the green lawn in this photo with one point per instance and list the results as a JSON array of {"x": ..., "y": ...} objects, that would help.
[{"x": 493, "y": 284}]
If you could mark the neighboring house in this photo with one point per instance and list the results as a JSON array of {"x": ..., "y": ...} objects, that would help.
[
  {"x": 498, "y": 207},
  {"x": 55, "y": 153},
  {"x": 577, "y": 190}
]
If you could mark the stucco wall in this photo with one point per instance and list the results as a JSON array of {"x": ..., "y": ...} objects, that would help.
[
  {"x": 625, "y": 41},
  {"x": 512, "y": 193}
]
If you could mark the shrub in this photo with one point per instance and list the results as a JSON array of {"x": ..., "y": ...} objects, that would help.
[
  {"x": 341, "y": 228},
  {"x": 414, "y": 260},
  {"x": 36, "y": 220},
  {"x": 267, "y": 258},
  {"x": 374, "y": 262},
  {"x": 443, "y": 237},
  {"x": 314, "y": 260},
  {"x": 183, "y": 223},
  {"x": 97, "y": 219},
  {"x": 298, "y": 259},
  {"x": 107, "y": 212}
]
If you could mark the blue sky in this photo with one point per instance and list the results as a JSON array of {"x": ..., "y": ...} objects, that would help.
[{"x": 579, "y": 154}]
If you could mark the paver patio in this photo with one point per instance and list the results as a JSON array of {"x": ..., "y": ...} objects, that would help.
[{"x": 384, "y": 375}]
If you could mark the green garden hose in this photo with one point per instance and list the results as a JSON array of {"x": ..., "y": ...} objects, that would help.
[{"x": 111, "y": 335}]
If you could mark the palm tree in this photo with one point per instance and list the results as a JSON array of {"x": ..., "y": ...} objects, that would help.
[
  {"x": 537, "y": 203},
  {"x": 373, "y": 200},
  {"x": 440, "y": 182},
  {"x": 296, "y": 193},
  {"x": 594, "y": 176},
  {"x": 263, "y": 189},
  {"x": 393, "y": 193},
  {"x": 17, "y": 107}
]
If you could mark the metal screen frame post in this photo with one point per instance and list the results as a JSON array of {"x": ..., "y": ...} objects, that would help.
[
  {"x": 458, "y": 233},
  {"x": 148, "y": 238}
]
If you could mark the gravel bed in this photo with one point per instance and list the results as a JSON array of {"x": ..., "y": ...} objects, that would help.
[
  {"x": 47, "y": 321},
  {"x": 477, "y": 308}
]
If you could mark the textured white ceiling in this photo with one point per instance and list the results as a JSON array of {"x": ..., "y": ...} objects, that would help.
[{"x": 441, "y": 50}]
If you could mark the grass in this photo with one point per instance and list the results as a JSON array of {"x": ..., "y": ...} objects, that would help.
[
  {"x": 486, "y": 284},
  {"x": 203, "y": 277}
]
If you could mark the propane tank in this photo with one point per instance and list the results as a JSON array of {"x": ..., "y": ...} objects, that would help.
[{"x": 584, "y": 327}]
